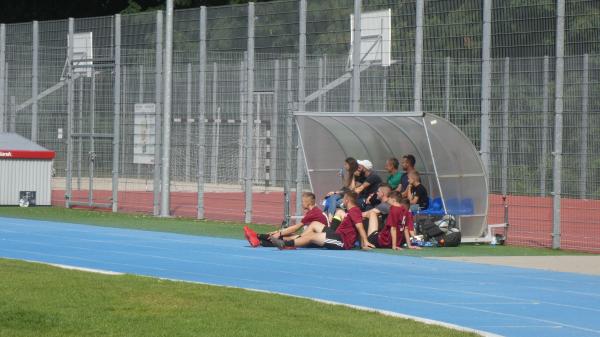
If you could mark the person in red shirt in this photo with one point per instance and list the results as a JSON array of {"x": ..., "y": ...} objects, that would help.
[
  {"x": 313, "y": 221},
  {"x": 398, "y": 226},
  {"x": 343, "y": 237}
]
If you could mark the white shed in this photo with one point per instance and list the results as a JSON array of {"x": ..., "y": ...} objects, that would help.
[{"x": 25, "y": 171}]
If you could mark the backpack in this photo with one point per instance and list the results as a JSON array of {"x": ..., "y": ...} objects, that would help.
[
  {"x": 443, "y": 229},
  {"x": 452, "y": 239},
  {"x": 428, "y": 228}
]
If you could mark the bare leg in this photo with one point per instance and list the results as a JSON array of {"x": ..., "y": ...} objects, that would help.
[
  {"x": 315, "y": 227},
  {"x": 373, "y": 223},
  {"x": 310, "y": 237},
  {"x": 341, "y": 214}
]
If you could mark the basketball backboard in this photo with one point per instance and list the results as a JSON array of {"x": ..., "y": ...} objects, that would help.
[
  {"x": 83, "y": 50},
  {"x": 376, "y": 36}
]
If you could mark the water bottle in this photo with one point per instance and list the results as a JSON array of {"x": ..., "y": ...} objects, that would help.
[{"x": 494, "y": 241}]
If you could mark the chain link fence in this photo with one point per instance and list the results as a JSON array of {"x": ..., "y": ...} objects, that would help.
[{"x": 70, "y": 107}]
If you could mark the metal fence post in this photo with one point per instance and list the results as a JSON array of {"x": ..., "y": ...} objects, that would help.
[
  {"x": 34, "y": 81},
  {"x": 3, "y": 88},
  {"x": 418, "y": 81},
  {"x": 141, "y": 83},
  {"x": 214, "y": 151},
  {"x": 320, "y": 84},
  {"x": 69, "y": 163},
  {"x": 12, "y": 119},
  {"x": 124, "y": 101},
  {"x": 355, "y": 55},
  {"x": 140, "y": 100},
  {"x": 250, "y": 109},
  {"x": 558, "y": 121},
  {"x": 288, "y": 147},
  {"x": 274, "y": 126},
  {"x": 5, "y": 98},
  {"x": 80, "y": 130},
  {"x": 92, "y": 153},
  {"x": 202, "y": 113},
  {"x": 505, "y": 120},
  {"x": 158, "y": 112},
  {"x": 584, "y": 128},
  {"x": 117, "y": 114},
  {"x": 188, "y": 121},
  {"x": 486, "y": 84},
  {"x": 242, "y": 132},
  {"x": 301, "y": 102},
  {"x": 545, "y": 109},
  {"x": 386, "y": 75},
  {"x": 447, "y": 90},
  {"x": 166, "y": 144}
]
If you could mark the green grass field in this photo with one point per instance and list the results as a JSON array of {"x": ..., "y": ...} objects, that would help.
[
  {"x": 40, "y": 300},
  {"x": 234, "y": 230}
]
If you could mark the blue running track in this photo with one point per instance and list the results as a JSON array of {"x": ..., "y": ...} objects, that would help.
[{"x": 501, "y": 300}]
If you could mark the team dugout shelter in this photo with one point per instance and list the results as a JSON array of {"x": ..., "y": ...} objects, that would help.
[{"x": 448, "y": 162}]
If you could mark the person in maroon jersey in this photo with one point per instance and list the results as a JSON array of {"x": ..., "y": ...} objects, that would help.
[
  {"x": 313, "y": 221},
  {"x": 343, "y": 237},
  {"x": 398, "y": 226}
]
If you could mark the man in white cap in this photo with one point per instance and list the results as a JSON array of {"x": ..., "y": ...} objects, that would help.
[{"x": 369, "y": 186}]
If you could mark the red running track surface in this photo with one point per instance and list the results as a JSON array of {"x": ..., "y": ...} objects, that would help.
[{"x": 530, "y": 218}]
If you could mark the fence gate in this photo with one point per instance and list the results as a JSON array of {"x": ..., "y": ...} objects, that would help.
[{"x": 90, "y": 132}]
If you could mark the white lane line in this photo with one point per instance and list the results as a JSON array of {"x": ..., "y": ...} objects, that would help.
[
  {"x": 110, "y": 231},
  {"x": 387, "y": 296},
  {"x": 470, "y": 293},
  {"x": 352, "y": 306},
  {"x": 69, "y": 267},
  {"x": 291, "y": 273},
  {"x": 523, "y": 326},
  {"x": 363, "y": 308},
  {"x": 551, "y": 322}
]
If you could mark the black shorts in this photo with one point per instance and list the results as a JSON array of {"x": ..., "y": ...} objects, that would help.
[
  {"x": 381, "y": 221},
  {"x": 333, "y": 240},
  {"x": 374, "y": 239}
]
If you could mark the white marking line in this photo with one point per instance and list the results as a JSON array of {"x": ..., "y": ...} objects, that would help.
[
  {"x": 244, "y": 256},
  {"x": 199, "y": 251},
  {"x": 152, "y": 256},
  {"x": 471, "y": 293},
  {"x": 475, "y": 293},
  {"x": 322, "y": 255},
  {"x": 545, "y": 279},
  {"x": 524, "y": 326},
  {"x": 352, "y": 306},
  {"x": 566, "y": 291},
  {"x": 69, "y": 267},
  {"x": 287, "y": 284},
  {"x": 491, "y": 312},
  {"x": 524, "y": 302},
  {"x": 236, "y": 266},
  {"x": 110, "y": 231}
]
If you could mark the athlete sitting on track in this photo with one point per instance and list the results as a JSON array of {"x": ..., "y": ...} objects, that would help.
[
  {"x": 313, "y": 221},
  {"x": 341, "y": 238},
  {"x": 398, "y": 225}
]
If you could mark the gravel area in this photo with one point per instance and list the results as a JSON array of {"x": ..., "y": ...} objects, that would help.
[{"x": 583, "y": 264}]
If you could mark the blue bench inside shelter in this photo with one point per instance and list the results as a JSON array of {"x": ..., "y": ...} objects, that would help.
[{"x": 454, "y": 206}]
